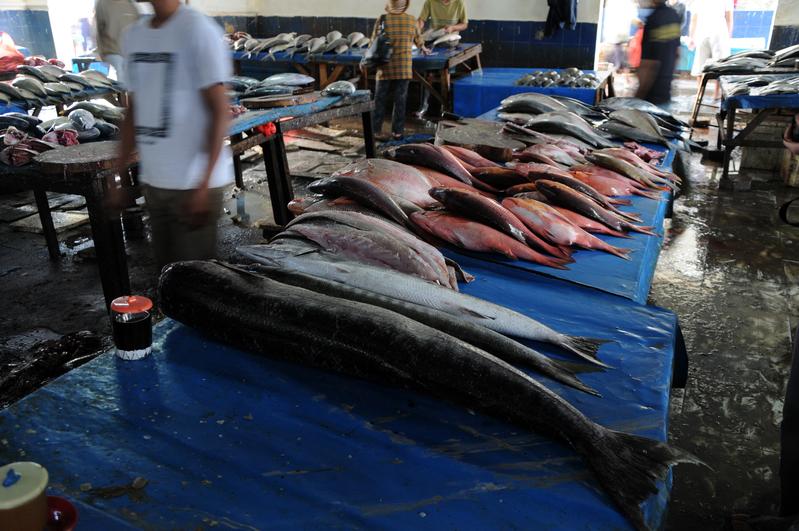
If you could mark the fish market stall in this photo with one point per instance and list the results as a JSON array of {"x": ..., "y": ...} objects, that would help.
[
  {"x": 775, "y": 94},
  {"x": 83, "y": 169},
  {"x": 483, "y": 90},
  {"x": 200, "y": 434},
  {"x": 433, "y": 70}
]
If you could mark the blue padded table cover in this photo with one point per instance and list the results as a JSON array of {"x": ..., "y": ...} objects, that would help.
[
  {"x": 252, "y": 119},
  {"x": 747, "y": 101},
  {"x": 435, "y": 61},
  {"x": 483, "y": 90},
  {"x": 230, "y": 439}
]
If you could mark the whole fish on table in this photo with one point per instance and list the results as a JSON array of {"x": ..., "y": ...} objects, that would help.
[
  {"x": 366, "y": 246},
  {"x": 289, "y": 79},
  {"x": 585, "y": 223},
  {"x": 552, "y": 225},
  {"x": 495, "y": 179},
  {"x": 362, "y": 191},
  {"x": 490, "y": 212},
  {"x": 610, "y": 186},
  {"x": 562, "y": 195},
  {"x": 492, "y": 342},
  {"x": 585, "y": 189},
  {"x": 394, "y": 178},
  {"x": 416, "y": 291},
  {"x": 625, "y": 132},
  {"x": 635, "y": 160},
  {"x": 473, "y": 236},
  {"x": 548, "y": 154},
  {"x": 631, "y": 171},
  {"x": 530, "y": 103},
  {"x": 426, "y": 252},
  {"x": 441, "y": 179},
  {"x": 555, "y": 124},
  {"x": 519, "y": 189},
  {"x": 376, "y": 344},
  {"x": 428, "y": 155},
  {"x": 471, "y": 157}
]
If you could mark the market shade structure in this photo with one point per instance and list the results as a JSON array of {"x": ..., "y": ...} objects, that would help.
[{"x": 228, "y": 437}]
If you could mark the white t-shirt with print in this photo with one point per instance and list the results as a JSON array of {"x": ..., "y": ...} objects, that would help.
[{"x": 166, "y": 68}]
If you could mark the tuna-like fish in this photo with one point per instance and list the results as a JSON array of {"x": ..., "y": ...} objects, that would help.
[
  {"x": 11, "y": 92},
  {"x": 362, "y": 191},
  {"x": 550, "y": 224},
  {"x": 492, "y": 342},
  {"x": 559, "y": 124},
  {"x": 288, "y": 79},
  {"x": 354, "y": 37},
  {"x": 339, "y": 88},
  {"x": 493, "y": 214},
  {"x": 363, "y": 43},
  {"x": 316, "y": 45},
  {"x": 401, "y": 351},
  {"x": 333, "y": 45},
  {"x": 473, "y": 236},
  {"x": 531, "y": 103},
  {"x": 428, "y": 155},
  {"x": 31, "y": 84},
  {"x": 625, "y": 132},
  {"x": 333, "y": 36},
  {"x": 431, "y": 35},
  {"x": 450, "y": 39}
]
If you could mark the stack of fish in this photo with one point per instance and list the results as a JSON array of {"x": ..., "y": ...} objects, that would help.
[
  {"x": 569, "y": 77},
  {"x": 763, "y": 85},
  {"x": 47, "y": 84},
  {"x": 292, "y": 43},
  {"x": 275, "y": 85},
  {"x": 434, "y": 38},
  {"x": 786, "y": 58},
  {"x": 628, "y": 119},
  {"x": 17, "y": 145},
  {"x": 746, "y": 61}
]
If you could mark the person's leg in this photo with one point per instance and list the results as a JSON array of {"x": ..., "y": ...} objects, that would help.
[
  {"x": 118, "y": 64},
  {"x": 789, "y": 440},
  {"x": 719, "y": 49},
  {"x": 197, "y": 243},
  {"x": 160, "y": 207},
  {"x": 701, "y": 55},
  {"x": 381, "y": 95},
  {"x": 400, "y": 104},
  {"x": 425, "y": 102}
]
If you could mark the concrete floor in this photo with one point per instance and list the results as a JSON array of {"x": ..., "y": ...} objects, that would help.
[{"x": 729, "y": 269}]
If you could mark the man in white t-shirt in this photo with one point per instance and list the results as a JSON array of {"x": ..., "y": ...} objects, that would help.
[
  {"x": 177, "y": 118},
  {"x": 710, "y": 32}
]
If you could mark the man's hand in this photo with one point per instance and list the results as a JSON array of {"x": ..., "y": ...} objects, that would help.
[
  {"x": 426, "y": 50},
  {"x": 449, "y": 29},
  {"x": 198, "y": 209},
  {"x": 691, "y": 44}
]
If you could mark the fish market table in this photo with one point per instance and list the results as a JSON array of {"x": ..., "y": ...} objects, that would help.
[
  {"x": 429, "y": 70},
  {"x": 762, "y": 107},
  {"x": 482, "y": 91},
  {"x": 230, "y": 439},
  {"x": 287, "y": 119}
]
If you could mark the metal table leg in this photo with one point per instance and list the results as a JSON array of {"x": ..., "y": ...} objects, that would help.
[
  {"x": 278, "y": 176},
  {"x": 368, "y": 135},
  {"x": 729, "y": 143},
  {"x": 237, "y": 171},
  {"x": 50, "y": 235},
  {"x": 109, "y": 245},
  {"x": 699, "y": 98}
]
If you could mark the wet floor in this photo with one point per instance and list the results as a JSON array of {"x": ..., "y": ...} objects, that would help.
[{"x": 729, "y": 270}]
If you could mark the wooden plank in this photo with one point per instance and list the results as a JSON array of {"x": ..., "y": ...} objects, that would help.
[
  {"x": 83, "y": 158},
  {"x": 62, "y": 221}
]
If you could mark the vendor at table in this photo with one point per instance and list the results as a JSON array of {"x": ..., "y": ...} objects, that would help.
[
  {"x": 449, "y": 15},
  {"x": 659, "y": 51}
]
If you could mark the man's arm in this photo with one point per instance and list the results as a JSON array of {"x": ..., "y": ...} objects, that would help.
[
  {"x": 423, "y": 16},
  {"x": 729, "y": 16},
  {"x": 463, "y": 22},
  {"x": 217, "y": 105},
  {"x": 692, "y": 31},
  {"x": 116, "y": 198}
]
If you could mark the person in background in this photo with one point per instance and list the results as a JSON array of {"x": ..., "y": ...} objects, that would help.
[
  {"x": 111, "y": 18},
  {"x": 710, "y": 33},
  {"x": 177, "y": 117},
  {"x": 620, "y": 15},
  {"x": 394, "y": 77},
  {"x": 449, "y": 15},
  {"x": 659, "y": 49}
]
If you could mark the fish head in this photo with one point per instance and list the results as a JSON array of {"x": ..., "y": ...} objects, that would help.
[{"x": 438, "y": 193}]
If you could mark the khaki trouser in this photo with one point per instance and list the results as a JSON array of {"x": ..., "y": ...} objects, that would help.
[{"x": 174, "y": 239}]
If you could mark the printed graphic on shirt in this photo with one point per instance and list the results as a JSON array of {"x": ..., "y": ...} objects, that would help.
[{"x": 154, "y": 119}]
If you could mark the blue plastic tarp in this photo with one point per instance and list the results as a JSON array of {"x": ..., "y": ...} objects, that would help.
[
  {"x": 235, "y": 440},
  {"x": 484, "y": 89},
  {"x": 435, "y": 61}
]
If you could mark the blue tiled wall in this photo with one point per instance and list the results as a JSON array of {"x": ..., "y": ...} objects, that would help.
[
  {"x": 505, "y": 43},
  {"x": 749, "y": 24},
  {"x": 30, "y": 29}
]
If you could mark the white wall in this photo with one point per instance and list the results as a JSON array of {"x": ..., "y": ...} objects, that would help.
[
  {"x": 38, "y": 5},
  {"x": 787, "y": 13},
  {"x": 478, "y": 9}
]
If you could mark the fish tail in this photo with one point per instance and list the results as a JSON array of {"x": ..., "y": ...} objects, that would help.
[
  {"x": 644, "y": 193},
  {"x": 629, "y": 467},
  {"x": 586, "y": 348},
  {"x": 617, "y": 201},
  {"x": 643, "y": 230}
]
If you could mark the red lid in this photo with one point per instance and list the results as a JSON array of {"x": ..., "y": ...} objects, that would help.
[{"x": 131, "y": 304}]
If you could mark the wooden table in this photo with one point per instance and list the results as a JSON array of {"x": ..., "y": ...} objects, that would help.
[
  {"x": 434, "y": 71},
  {"x": 85, "y": 170}
]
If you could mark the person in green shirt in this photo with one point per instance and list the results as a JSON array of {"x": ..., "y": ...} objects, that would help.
[{"x": 449, "y": 15}]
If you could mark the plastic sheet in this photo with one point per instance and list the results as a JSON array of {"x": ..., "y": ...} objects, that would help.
[
  {"x": 435, "y": 61},
  {"x": 483, "y": 90},
  {"x": 231, "y": 439}
]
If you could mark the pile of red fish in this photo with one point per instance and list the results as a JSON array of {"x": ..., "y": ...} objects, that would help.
[{"x": 19, "y": 148}]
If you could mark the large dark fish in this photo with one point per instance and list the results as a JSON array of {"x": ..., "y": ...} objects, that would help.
[
  {"x": 500, "y": 346},
  {"x": 531, "y": 102},
  {"x": 428, "y": 155},
  {"x": 376, "y": 344},
  {"x": 615, "y": 103},
  {"x": 561, "y": 123},
  {"x": 397, "y": 179},
  {"x": 625, "y": 132},
  {"x": 493, "y": 214},
  {"x": 362, "y": 191},
  {"x": 364, "y": 222},
  {"x": 578, "y": 107},
  {"x": 562, "y": 195}
]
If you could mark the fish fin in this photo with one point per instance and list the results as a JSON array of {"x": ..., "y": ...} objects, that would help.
[
  {"x": 629, "y": 467},
  {"x": 586, "y": 348},
  {"x": 478, "y": 315}
]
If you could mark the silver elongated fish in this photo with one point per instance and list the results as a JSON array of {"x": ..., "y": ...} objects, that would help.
[{"x": 410, "y": 289}]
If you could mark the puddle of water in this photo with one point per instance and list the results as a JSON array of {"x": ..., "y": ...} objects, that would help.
[{"x": 249, "y": 209}]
